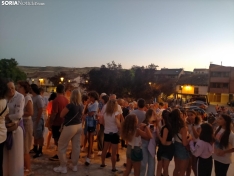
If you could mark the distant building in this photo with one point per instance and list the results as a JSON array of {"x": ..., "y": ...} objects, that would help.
[
  {"x": 201, "y": 71},
  {"x": 169, "y": 73},
  {"x": 221, "y": 83},
  {"x": 194, "y": 85}
]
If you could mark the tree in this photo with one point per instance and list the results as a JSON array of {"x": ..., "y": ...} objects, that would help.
[
  {"x": 9, "y": 69},
  {"x": 56, "y": 79}
]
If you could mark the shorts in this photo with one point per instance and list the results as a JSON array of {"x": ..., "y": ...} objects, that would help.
[
  {"x": 180, "y": 151},
  {"x": 165, "y": 152},
  {"x": 55, "y": 132},
  {"x": 129, "y": 150},
  {"x": 112, "y": 138},
  {"x": 28, "y": 135},
  {"x": 91, "y": 129},
  {"x": 38, "y": 129}
]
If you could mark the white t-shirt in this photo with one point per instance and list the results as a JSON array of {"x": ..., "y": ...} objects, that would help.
[
  {"x": 190, "y": 130},
  {"x": 27, "y": 98},
  {"x": 110, "y": 123},
  {"x": 3, "y": 130},
  {"x": 227, "y": 158}
]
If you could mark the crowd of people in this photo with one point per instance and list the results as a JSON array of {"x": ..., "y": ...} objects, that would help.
[{"x": 153, "y": 134}]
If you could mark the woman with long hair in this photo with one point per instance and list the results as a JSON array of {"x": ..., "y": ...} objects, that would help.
[
  {"x": 224, "y": 145},
  {"x": 181, "y": 137},
  {"x": 149, "y": 145},
  {"x": 4, "y": 110},
  {"x": 24, "y": 89},
  {"x": 111, "y": 130},
  {"x": 91, "y": 122},
  {"x": 132, "y": 133},
  {"x": 165, "y": 147},
  {"x": 193, "y": 123},
  {"x": 72, "y": 128},
  {"x": 203, "y": 149},
  {"x": 48, "y": 112}
]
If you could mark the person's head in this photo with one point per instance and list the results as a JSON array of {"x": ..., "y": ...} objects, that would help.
[
  {"x": 75, "y": 97},
  {"x": 120, "y": 101},
  {"x": 53, "y": 95},
  {"x": 105, "y": 99},
  {"x": 35, "y": 90},
  {"x": 150, "y": 116},
  {"x": 161, "y": 105},
  {"x": 23, "y": 87},
  {"x": 156, "y": 105},
  {"x": 84, "y": 99},
  {"x": 112, "y": 97},
  {"x": 41, "y": 91},
  {"x": 11, "y": 88},
  {"x": 191, "y": 116},
  {"x": 93, "y": 96},
  {"x": 224, "y": 122},
  {"x": 165, "y": 105},
  {"x": 141, "y": 103},
  {"x": 60, "y": 89},
  {"x": 131, "y": 106},
  {"x": 166, "y": 117},
  {"x": 183, "y": 114},
  {"x": 101, "y": 95},
  {"x": 176, "y": 121},
  {"x": 111, "y": 107},
  {"x": 3, "y": 88},
  {"x": 129, "y": 127},
  {"x": 207, "y": 133}
]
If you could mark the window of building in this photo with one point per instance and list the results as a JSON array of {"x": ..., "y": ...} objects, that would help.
[{"x": 196, "y": 90}]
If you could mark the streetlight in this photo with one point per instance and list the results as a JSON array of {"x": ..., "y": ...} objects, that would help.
[
  {"x": 62, "y": 78},
  {"x": 150, "y": 83},
  {"x": 181, "y": 88},
  {"x": 86, "y": 81},
  {"x": 69, "y": 80},
  {"x": 40, "y": 80}
]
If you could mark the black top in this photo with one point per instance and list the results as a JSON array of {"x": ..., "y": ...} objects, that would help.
[
  {"x": 169, "y": 135},
  {"x": 74, "y": 110},
  {"x": 125, "y": 111}
]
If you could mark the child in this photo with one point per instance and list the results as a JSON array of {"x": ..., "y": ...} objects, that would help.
[
  {"x": 203, "y": 149},
  {"x": 132, "y": 133}
]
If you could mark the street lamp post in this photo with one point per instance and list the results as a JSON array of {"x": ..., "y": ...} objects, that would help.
[{"x": 62, "y": 78}]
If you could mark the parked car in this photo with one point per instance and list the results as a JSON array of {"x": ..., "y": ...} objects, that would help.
[
  {"x": 230, "y": 103},
  {"x": 199, "y": 104}
]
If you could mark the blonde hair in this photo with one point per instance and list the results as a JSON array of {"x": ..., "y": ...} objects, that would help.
[
  {"x": 75, "y": 97},
  {"x": 129, "y": 127},
  {"x": 111, "y": 107}
]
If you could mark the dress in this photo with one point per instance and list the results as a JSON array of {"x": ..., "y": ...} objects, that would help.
[{"x": 13, "y": 159}]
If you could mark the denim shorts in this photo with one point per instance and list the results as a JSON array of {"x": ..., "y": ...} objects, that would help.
[
  {"x": 129, "y": 150},
  {"x": 38, "y": 129},
  {"x": 180, "y": 151}
]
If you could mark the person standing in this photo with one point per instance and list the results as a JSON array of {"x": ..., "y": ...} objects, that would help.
[
  {"x": 4, "y": 110},
  {"x": 59, "y": 103},
  {"x": 224, "y": 145},
  {"x": 24, "y": 89},
  {"x": 13, "y": 157},
  {"x": 38, "y": 121},
  {"x": 72, "y": 128}
]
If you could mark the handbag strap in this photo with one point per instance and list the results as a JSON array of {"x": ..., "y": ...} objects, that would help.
[
  {"x": 71, "y": 118},
  {"x": 3, "y": 110}
]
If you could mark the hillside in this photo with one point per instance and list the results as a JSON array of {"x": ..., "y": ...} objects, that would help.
[{"x": 29, "y": 69}]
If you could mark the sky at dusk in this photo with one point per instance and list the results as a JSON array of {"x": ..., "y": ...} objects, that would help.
[{"x": 88, "y": 33}]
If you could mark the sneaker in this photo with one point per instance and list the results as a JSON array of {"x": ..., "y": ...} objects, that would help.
[
  {"x": 39, "y": 154},
  {"x": 54, "y": 158},
  {"x": 73, "y": 168},
  {"x": 92, "y": 156},
  {"x": 108, "y": 155},
  {"x": 99, "y": 153},
  {"x": 87, "y": 162},
  {"x": 60, "y": 169},
  {"x": 114, "y": 170}
]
